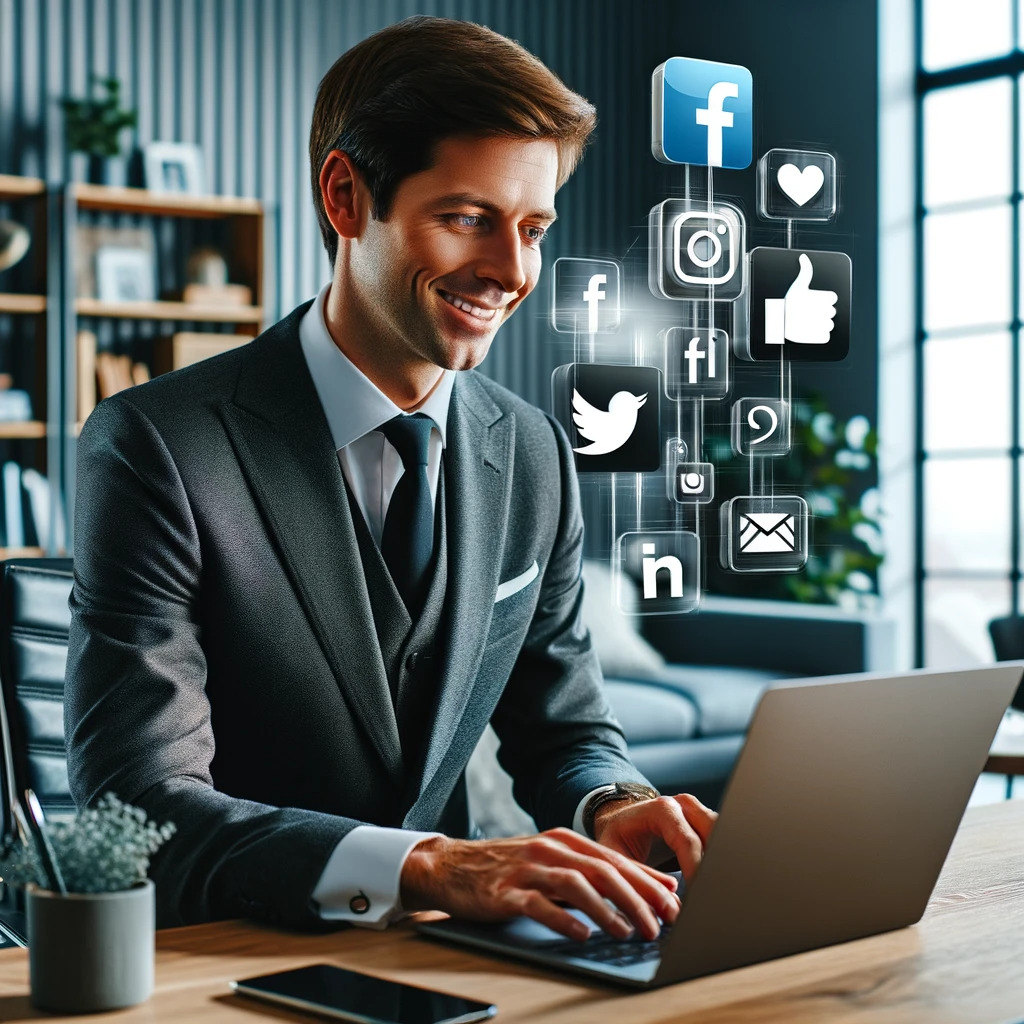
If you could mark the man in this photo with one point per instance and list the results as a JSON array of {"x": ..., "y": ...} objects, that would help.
[{"x": 311, "y": 570}]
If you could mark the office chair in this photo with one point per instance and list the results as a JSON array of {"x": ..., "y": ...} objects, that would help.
[
  {"x": 34, "y": 622},
  {"x": 1008, "y": 640}
]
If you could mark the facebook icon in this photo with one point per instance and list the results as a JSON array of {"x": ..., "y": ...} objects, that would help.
[{"x": 702, "y": 113}]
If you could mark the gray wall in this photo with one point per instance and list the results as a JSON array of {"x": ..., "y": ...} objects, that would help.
[{"x": 238, "y": 77}]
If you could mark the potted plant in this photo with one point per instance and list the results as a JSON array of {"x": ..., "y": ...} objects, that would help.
[
  {"x": 91, "y": 948},
  {"x": 93, "y": 126}
]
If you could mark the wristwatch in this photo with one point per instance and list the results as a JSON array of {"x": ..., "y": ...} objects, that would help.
[{"x": 620, "y": 791}]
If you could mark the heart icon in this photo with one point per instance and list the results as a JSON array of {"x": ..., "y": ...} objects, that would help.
[{"x": 801, "y": 186}]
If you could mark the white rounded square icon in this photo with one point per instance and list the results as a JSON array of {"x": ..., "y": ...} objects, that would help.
[
  {"x": 760, "y": 426},
  {"x": 696, "y": 250},
  {"x": 796, "y": 184},
  {"x": 657, "y": 572},
  {"x": 764, "y": 533},
  {"x": 585, "y": 296}
]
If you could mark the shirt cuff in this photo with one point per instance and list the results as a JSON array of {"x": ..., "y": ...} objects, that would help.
[
  {"x": 577, "y": 818},
  {"x": 361, "y": 880}
]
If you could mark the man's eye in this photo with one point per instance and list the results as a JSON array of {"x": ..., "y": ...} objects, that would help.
[
  {"x": 535, "y": 234},
  {"x": 466, "y": 220}
]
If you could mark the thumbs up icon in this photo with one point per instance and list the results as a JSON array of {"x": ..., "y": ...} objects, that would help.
[
  {"x": 800, "y": 303},
  {"x": 805, "y": 316}
]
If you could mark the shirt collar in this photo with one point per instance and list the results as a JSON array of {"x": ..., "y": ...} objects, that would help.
[{"x": 352, "y": 403}]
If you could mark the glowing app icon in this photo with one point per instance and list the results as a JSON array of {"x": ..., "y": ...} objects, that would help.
[
  {"x": 611, "y": 414},
  {"x": 800, "y": 301},
  {"x": 702, "y": 113},
  {"x": 760, "y": 426},
  {"x": 796, "y": 184},
  {"x": 695, "y": 481},
  {"x": 696, "y": 363},
  {"x": 695, "y": 252},
  {"x": 585, "y": 296},
  {"x": 657, "y": 572},
  {"x": 764, "y": 533}
]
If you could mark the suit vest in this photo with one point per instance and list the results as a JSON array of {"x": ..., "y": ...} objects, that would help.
[{"x": 409, "y": 649}]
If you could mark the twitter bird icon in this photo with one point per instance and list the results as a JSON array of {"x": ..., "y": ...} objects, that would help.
[
  {"x": 608, "y": 431},
  {"x": 612, "y": 415}
]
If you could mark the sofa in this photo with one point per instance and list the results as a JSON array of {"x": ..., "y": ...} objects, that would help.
[{"x": 684, "y": 688}]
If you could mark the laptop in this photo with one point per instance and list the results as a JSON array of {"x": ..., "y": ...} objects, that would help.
[{"x": 834, "y": 826}]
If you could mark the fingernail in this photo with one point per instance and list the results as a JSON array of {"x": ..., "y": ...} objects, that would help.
[
  {"x": 623, "y": 927},
  {"x": 580, "y": 932}
]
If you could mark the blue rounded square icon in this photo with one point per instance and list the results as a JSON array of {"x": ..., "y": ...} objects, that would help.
[{"x": 702, "y": 113}]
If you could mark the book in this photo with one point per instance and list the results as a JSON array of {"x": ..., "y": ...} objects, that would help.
[
  {"x": 12, "y": 505},
  {"x": 86, "y": 373},
  {"x": 38, "y": 489}
]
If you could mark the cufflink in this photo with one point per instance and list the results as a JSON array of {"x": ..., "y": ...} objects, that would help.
[{"x": 360, "y": 903}]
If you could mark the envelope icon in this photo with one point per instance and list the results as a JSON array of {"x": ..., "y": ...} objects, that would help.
[{"x": 767, "y": 533}]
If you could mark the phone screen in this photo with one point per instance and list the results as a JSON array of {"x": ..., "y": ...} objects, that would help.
[{"x": 348, "y": 995}]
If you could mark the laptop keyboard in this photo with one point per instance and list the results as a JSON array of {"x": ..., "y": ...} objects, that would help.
[{"x": 605, "y": 949}]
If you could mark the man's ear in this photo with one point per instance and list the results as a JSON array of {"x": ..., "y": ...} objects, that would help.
[{"x": 346, "y": 199}]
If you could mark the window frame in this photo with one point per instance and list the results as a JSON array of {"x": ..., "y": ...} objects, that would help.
[{"x": 1011, "y": 65}]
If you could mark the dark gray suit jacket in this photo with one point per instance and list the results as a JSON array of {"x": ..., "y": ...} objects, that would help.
[{"x": 223, "y": 670}]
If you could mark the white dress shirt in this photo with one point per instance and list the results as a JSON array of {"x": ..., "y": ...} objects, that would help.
[{"x": 368, "y": 861}]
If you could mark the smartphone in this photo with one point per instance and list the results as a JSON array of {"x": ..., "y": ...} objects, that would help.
[{"x": 348, "y": 995}]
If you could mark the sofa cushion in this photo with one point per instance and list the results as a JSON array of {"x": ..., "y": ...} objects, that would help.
[
  {"x": 651, "y": 714},
  {"x": 619, "y": 647},
  {"x": 725, "y": 697}
]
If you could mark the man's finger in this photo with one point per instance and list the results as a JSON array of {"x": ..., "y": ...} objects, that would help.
[
  {"x": 531, "y": 903},
  {"x": 700, "y": 817},
  {"x": 679, "y": 835},
  {"x": 573, "y": 886},
  {"x": 636, "y": 895},
  {"x": 592, "y": 848}
]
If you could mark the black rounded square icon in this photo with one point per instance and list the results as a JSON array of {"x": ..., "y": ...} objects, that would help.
[
  {"x": 612, "y": 415},
  {"x": 800, "y": 304}
]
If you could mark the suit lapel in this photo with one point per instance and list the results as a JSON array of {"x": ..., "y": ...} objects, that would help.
[
  {"x": 478, "y": 481},
  {"x": 285, "y": 448}
]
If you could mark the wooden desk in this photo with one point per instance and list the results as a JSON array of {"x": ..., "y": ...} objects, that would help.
[{"x": 963, "y": 963}]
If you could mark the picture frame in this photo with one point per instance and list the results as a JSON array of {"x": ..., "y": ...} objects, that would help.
[
  {"x": 125, "y": 274},
  {"x": 174, "y": 168}
]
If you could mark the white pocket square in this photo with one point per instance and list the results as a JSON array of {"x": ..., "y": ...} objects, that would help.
[{"x": 514, "y": 585}]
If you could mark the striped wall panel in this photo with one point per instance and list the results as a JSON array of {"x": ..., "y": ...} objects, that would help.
[{"x": 238, "y": 78}]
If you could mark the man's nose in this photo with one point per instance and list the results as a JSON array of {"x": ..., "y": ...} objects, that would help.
[{"x": 502, "y": 261}]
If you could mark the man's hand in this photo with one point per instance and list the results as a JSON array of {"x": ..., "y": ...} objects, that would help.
[
  {"x": 682, "y": 823},
  {"x": 497, "y": 879}
]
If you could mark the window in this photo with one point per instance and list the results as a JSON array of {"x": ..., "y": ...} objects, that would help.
[{"x": 970, "y": 81}]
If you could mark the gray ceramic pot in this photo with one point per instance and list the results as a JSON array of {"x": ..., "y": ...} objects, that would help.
[{"x": 91, "y": 951}]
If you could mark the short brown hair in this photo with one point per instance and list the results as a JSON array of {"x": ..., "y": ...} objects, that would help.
[{"x": 391, "y": 98}]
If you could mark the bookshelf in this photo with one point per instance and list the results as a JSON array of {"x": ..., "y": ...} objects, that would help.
[
  {"x": 139, "y": 331},
  {"x": 30, "y": 354}
]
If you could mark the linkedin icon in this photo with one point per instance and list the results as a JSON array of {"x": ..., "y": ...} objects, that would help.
[{"x": 657, "y": 572}]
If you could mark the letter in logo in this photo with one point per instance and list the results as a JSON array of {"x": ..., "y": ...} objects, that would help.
[
  {"x": 754, "y": 424},
  {"x": 652, "y": 566},
  {"x": 760, "y": 426},
  {"x": 693, "y": 355},
  {"x": 716, "y": 117},
  {"x": 592, "y": 296}
]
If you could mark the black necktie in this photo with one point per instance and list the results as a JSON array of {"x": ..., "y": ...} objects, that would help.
[{"x": 408, "y": 538}]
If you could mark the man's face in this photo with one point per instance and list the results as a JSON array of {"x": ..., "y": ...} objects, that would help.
[{"x": 464, "y": 233}]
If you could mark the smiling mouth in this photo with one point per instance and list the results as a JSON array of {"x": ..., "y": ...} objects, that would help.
[{"x": 466, "y": 306}]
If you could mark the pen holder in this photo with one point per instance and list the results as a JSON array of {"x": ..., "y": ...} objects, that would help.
[{"x": 91, "y": 951}]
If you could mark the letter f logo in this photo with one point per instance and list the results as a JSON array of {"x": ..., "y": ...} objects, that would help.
[
  {"x": 716, "y": 117},
  {"x": 592, "y": 296}
]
